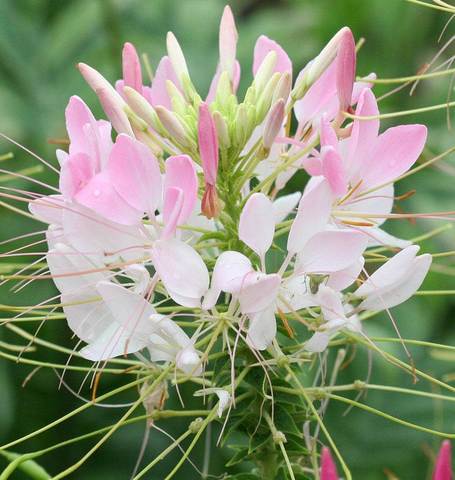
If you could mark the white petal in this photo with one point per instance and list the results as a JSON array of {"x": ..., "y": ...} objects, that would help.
[
  {"x": 262, "y": 329},
  {"x": 258, "y": 292},
  {"x": 284, "y": 206},
  {"x": 257, "y": 226},
  {"x": 318, "y": 342}
]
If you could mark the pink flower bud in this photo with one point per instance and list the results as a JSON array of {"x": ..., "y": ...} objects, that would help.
[
  {"x": 328, "y": 467},
  {"x": 132, "y": 73},
  {"x": 210, "y": 205},
  {"x": 443, "y": 469},
  {"x": 228, "y": 42},
  {"x": 208, "y": 144},
  {"x": 273, "y": 124},
  {"x": 345, "y": 69}
]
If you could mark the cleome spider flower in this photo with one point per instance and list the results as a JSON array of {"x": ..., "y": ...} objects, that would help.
[{"x": 171, "y": 239}]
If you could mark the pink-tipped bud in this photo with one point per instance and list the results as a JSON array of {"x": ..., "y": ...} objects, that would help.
[
  {"x": 115, "y": 111},
  {"x": 228, "y": 42},
  {"x": 328, "y": 467},
  {"x": 345, "y": 69},
  {"x": 443, "y": 469},
  {"x": 208, "y": 144},
  {"x": 113, "y": 104},
  {"x": 132, "y": 73},
  {"x": 176, "y": 56},
  {"x": 210, "y": 205},
  {"x": 273, "y": 124}
]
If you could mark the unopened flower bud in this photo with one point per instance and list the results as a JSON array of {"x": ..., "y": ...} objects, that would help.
[
  {"x": 283, "y": 88},
  {"x": 265, "y": 98},
  {"x": 265, "y": 71},
  {"x": 141, "y": 107},
  {"x": 112, "y": 103},
  {"x": 345, "y": 69},
  {"x": 210, "y": 204},
  {"x": 223, "y": 90},
  {"x": 178, "y": 101},
  {"x": 273, "y": 124},
  {"x": 208, "y": 144},
  {"x": 176, "y": 56},
  {"x": 131, "y": 65},
  {"x": 241, "y": 125},
  {"x": 172, "y": 124},
  {"x": 228, "y": 42},
  {"x": 221, "y": 130}
]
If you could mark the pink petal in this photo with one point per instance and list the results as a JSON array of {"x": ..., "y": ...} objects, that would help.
[
  {"x": 256, "y": 225},
  {"x": 312, "y": 215},
  {"x": 319, "y": 96},
  {"x": 443, "y": 469},
  {"x": 328, "y": 467},
  {"x": 364, "y": 133},
  {"x": 100, "y": 195},
  {"x": 395, "y": 151},
  {"x": 331, "y": 304},
  {"x": 208, "y": 144},
  {"x": 182, "y": 271},
  {"x": 328, "y": 135},
  {"x": 172, "y": 209},
  {"x": 333, "y": 171},
  {"x": 258, "y": 292},
  {"x": 77, "y": 171},
  {"x": 48, "y": 209},
  {"x": 345, "y": 65},
  {"x": 283, "y": 206},
  {"x": 228, "y": 42},
  {"x": 344, "y": 278},
  {"x": 181, "y": 173},
  {"x": 135, "y": 174},
  {"x": 158, "y": 94},
  {"x": 263, "y": 46},
  {"x": 132, "y": 73},
  {"x": 77, "y": 115},
  {"x": 331, "y": 251}
]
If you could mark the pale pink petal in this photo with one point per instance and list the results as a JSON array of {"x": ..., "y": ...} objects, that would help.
[
  {"x": 312, "y": 215},
  {"x": 390, "y": 272},
  {"x": 318, "y": 343},
  {"x": 132, "y": 73},
  {"x": 331, "y": 251},
  {"x": 77, "y": 115},
  {"x": 181, "y": 173},
  {"x": 283, "y": 206},
  {"x": 228, "y": 275},
  {"x": 172, "y": 209},
  {"x": 399, "y": 292},
  {"x": 100, "y": 195},
  {"x": 344, "y": 278},
  {"x": 379, "y": 202},
  {"x": 258, "y": 292},
  {"x": 182, "y": 271},
  {"x": 208, "y": 144},
  {"x": 443, "y": 468},
  {"x": 158, "y": 94},
  {"x": 380, "y": 238},
  {"x": 328, "y": 135},
  {"x": 76, "y": 172},
  {"x": 331, "y": 304},
  {"x": 256, "y": 225},
  {"x": 295, "y": 294},
  {"x": 262, "y": 329},
  {"x": 48, "y": 209},
  {"x": 328, "y": 467},
  {"x": 345, "y": 64},
  {"x": 135, "y": 174},
  {"x": 263, "y": 46},
  {"x": 228, "y": 41},
  {"x": 115, "y": 110},
  {"x": 395, "y": 151},
  {"x": 333, "y": 170}
]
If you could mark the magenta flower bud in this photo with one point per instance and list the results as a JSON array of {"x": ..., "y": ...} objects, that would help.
[
  {"x": 345, "y": 68},
  {"x": 132, "y": 73},
  {"x": 273, "y": 124},
  {"x": 328, "y": 467},
  {"x": 208, "y": 144},
  {"x": 443, "y": 469}
]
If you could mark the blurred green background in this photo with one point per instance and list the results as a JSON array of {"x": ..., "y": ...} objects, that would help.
[{"x": 40, "y": 43}]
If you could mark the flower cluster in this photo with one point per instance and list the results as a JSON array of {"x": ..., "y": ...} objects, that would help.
[{"x": 182, "y": 213}]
